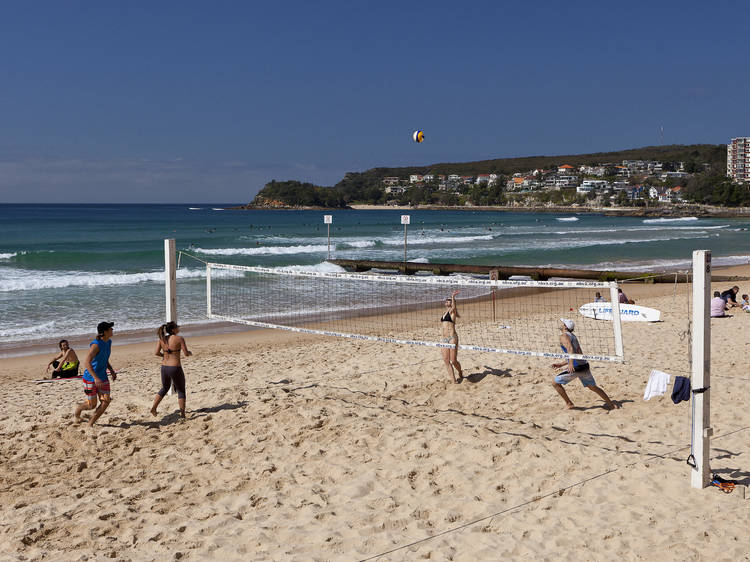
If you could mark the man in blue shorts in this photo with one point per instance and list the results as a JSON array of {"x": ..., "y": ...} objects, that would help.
[
  {"x": 575, "y": 368},
  {"x": 95, "y": 381}
]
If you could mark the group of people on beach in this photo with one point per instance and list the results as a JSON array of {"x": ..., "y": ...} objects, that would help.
[
  {"x": 171, "y": 345},
  {"x": 726, "y": 300},
  {"x": 573, "y": 368},
  {"x": 97, "y": 369}
]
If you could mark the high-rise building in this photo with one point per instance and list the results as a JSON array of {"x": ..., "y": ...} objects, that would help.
[{"x": 738, "y": 159}]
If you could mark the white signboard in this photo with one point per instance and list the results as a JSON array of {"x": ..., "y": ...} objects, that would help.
[
  {"x": 327, "y": 219},
  {"x": 405, "y": 219}
]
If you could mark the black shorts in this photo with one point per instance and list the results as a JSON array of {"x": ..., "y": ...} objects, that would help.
[{"x": 170, "y": 376}]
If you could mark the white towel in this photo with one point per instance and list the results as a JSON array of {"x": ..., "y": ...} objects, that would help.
[{"x": 657, "y": 384}]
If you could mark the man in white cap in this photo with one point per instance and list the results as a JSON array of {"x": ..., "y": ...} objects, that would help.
[{"x": 575, "y": 368}]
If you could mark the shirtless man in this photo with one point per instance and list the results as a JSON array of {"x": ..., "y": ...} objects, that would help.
[{"x": 65, "y": 363}]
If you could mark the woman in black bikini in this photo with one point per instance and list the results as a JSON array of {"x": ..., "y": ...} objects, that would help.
[
  {"x": 448, "y": 327},
  {"x": 168, "y": 348}
]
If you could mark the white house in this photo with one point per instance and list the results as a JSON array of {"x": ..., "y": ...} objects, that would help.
[
  {"x": 595, "y": 184},
  {"x": 663, "y": 194},
  {"x": 566, "y": 181},
  {"x": 395, "y": 189},
  {"x": 415, "y": 178}
]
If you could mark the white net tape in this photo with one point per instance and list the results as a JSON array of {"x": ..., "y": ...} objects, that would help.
[{"x": 517, "y": 317}]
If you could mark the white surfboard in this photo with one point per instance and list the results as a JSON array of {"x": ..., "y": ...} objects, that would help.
[{"x": 628, "y": 312}]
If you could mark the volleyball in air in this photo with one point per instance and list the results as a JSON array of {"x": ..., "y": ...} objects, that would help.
[{"x": 418, "y": 136}]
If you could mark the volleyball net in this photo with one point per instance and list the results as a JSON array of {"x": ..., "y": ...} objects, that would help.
[{"x": 506, "y": 316}]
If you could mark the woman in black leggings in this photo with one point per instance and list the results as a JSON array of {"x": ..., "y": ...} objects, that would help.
[{"x": 169, "y": 346}]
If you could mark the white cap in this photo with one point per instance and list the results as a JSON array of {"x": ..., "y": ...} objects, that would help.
[{"x": 569, "y": 324}]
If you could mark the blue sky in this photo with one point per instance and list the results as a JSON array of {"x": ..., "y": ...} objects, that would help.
[{"x": 207, "y": 101}]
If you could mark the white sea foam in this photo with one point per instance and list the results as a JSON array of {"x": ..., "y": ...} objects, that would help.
[
  {"x": 31, "y": 280},
  {"x": 262, "y": 250},
  {"x": 323, "y": 267},
  {"x": 39, "y": 329},
  {"x": 357, "y": 243},
  {"x": 217, "y": 209},
  {"x": 195, "y": 208},
  {"x": 567, "y": 219},
  {"x": 661, "y": 220},
  {"x": 8, "y": 256},
  {"x": 418, "y": 239}
]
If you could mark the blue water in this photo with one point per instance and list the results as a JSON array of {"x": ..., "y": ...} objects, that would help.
[{"x": 65, "y": 268}]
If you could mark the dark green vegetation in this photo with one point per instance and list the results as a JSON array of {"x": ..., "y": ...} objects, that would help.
[{"x": 708, "y": 185}]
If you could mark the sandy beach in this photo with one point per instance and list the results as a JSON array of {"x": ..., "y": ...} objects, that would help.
[{"x": 314, "y": 448}]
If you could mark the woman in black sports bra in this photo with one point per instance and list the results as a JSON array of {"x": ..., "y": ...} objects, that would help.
[
  {"x": 169, "y": 346},
  {"x": 448, "y": 327}
]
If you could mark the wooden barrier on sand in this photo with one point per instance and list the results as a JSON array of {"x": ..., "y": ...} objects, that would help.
[{"x": 535, "y": 273}]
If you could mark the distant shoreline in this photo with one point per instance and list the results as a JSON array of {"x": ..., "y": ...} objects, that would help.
[{"x": 671, "y": 211}]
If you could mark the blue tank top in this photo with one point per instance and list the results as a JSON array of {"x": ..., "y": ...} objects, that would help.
[
  {"x": 100, "y": 360},
  {"x": 576, "y": 349}
]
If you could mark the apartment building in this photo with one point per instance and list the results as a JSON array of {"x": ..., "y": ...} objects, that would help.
[{"x": 738, "y": 159}]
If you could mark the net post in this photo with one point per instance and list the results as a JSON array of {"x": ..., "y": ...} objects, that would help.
[
  {"x": 701, "y": 369},
  {"x": 170, "y": 279},
  {"x": 208, "y": 290},
  {"x": 614, "y": 297}
]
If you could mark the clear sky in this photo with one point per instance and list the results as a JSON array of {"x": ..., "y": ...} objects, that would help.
[{"x": 187, "y": 101}]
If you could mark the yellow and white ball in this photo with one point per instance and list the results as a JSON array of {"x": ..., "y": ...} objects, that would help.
[{"x": 418, "y": 136}]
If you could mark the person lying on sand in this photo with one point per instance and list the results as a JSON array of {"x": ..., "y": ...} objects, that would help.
[
  {"x": 576, "y": 368},
  {"x": 65, "y": 363}
]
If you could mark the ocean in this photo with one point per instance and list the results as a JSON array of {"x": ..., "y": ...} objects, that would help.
[{"x": 64, "y": 268}]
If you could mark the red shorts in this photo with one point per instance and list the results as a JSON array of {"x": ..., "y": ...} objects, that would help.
[{"x": 92, "y": 388}]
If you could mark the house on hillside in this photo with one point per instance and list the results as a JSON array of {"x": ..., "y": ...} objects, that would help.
[
  {"x": 565, "y": 169},
  {"x": 391, "y": 180},
  {"x": 661, "y": 194},
  {"x": 415, "y": 178}
]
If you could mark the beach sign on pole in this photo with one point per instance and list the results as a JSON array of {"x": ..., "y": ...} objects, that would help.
[
  {"x": 327, "y": 220},
  {"x": 405, "y": 220}
]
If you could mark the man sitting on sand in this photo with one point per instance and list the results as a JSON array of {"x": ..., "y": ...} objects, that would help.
[
  {"x": 622, "y": 298},
  {"x": 718, "y": 306},
  {"x": 576, "y": 368},
  {"x": 65, "y": 363},
  {"x": 730, "y": 296}
]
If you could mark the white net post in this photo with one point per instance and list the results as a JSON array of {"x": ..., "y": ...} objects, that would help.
[
  {"x": 701, "y": 369},
  {"x": 208, "y": 290},
  {"x": 614, "y": 297},
  {"x": 170, "y": 279},
  {"x": 170, "y": 283}
]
